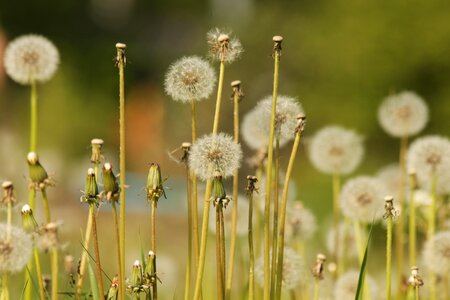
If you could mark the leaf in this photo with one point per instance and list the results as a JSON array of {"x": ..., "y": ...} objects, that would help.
[
  {"x": 93, "y": 282},
  {"x": 362, "y": 271}
]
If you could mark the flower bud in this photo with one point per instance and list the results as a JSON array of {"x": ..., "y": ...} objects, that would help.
[
  {"x": 150, "y": 267},
  {"x": 218, "y": 194},
  {"x": 37, "y": 172},
  {"x": 113, "y": 289},
  {"x": 91, "y": 189},
  {"x": 110, "y": 184},
  {"x": 96, "y": 145},
  {"x": 154, "y": 185},
  {"x": 28, "y": 221},
  {"x": 136, "y": 275}
]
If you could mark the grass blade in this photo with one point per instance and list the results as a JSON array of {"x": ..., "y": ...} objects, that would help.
[
  {"x": 93, "y": 282},
  {"x": 362, "y": 271}
]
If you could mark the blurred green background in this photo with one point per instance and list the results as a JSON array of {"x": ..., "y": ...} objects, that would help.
[{"x": 340, "y": 58}]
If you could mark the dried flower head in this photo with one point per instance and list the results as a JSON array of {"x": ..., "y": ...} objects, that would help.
[
  {"x": 46, "y": 237},
  {"x": 415, "y": 280},
  {"x": 96, "y": 145},
  {"x": 8, "y": 197},
  {"x": 91, "y": 194},
  {"x": 215, "y": 153},
  {"x": 301, "y": 222},
  {"x": 430, "y": 156},
  {"x": 287, "y": 110},
  {"x": 361, "y": 199},
  {"x": 436, "y": 253},
  {"x": 15, "y": 251},
  {"x": 347, "y": 284},
  {"x": 318, "y": 268},
  {"x": 31, "y": 57},
  {"x": 293, "y": 269},
  {"x": 190, "y": 79},
  {"x": 222, "y": 46},
  {"x": 346, "y": 243},
  {"x": 403, "y": 114},
  {"x": 335, "y": 149}
]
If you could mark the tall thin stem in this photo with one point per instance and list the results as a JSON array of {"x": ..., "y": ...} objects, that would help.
[
  {"x": 222, "y": 249},
  {"x": 187, "y": 286},
  {"x": 194, "y": 198},
  {"x": 431, "y": 232},
  {"x": 54, "y": 264},
  {"x": 219, "y": 255},
  {"x": 234, "y": 217},
  {"x": 33, "y": 117},
  {"x": 117, "y": 238},
  {"x": 4, "y": 295},
  {"x": 388, "y": 257},
  {"x": 219, "y": 98},
  {"x": 412, "y": 229},
  {"x": 97, "y": 253},
  {"x": 39, "y": 274},
  {"x": 275, "y": 218},
  {"x": 251, "y": 276},
  {"x": 316, "y": 289},
  {"x": 83, "y": 261},
  {"x": 276, "y": 54},
  {"x": 121, "y": 61},
  {"x": 155, "y": 282},
  {"x": 336, "y": 217},
  {"x": 284, "y": 197}
]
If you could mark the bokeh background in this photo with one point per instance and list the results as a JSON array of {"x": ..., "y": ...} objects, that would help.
[{"x": 340, "y": 59}]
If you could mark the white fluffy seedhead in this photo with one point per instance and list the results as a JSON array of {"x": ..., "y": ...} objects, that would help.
[
  {"x": 214, "y": 154},
  {"x": 436, "y": 253},
  {"x": 430, "y": 156},
  {"x": 15, "y": 252},
  {"x": 336, "y": 150},
  {"x": 222, "y": 46},
  {"x": 347, "y": 284},
  {"x": 362, "y": 199},
  {"x": 190, "y": 79},
  {"x": 301, "y": 222},
  {"x": 403, "y": 114},
  {"x": 31, "y": 57}
]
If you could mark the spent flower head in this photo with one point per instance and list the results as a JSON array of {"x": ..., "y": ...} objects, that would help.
[
  {"x": 415, "y": 280},
  {"x": 46, "y": 237},
  {"x": 403, "y": 114},
  {"x": 15, "y": 248},
  {"x": 430, "y": 156},
  {"x": 361, "y": 199},
  {"x": 213, "y": 154},
  {"x": 31, "y": 57},
  {"x": 301, "y": 222},
  {"x": 336, "y": 150},
  {"x": 96, "y": 145},
  {"x": 436, "y": 253},
  {"x": 318, "y": 268},
  {"x": 190, "y": 79},
  {"x": 222, "y": 46},
  {"x": 8, "y": 197}
]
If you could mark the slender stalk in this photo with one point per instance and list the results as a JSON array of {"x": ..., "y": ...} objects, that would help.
[
  {"x": 388, "y": 257},
  {"x": 187, "y": 286},
  {"x": 236, "y": 98},
  {"x": 431, "y": 232},
  {"x": 97, "y": 253},
  {"x": 358, "y": 240},
  {"x": 54, "y": 268},
  {"x": 412, "y": 229},
  {"x": 39, "y": 274},
  {"x": 194, "y": 198},
  {"x": 275, "y": 218},
  {"x": 155, "y": 282},
  {"x": 336, "y": 216},
  {"x": 84, "y": 255},
  {"x": 281, "y": 230},
  {"x": 257, "y": 223},
  {"x": 121, "y": 61},
  {"x": 5, "y": 287},
  {"x": 251, "y": 275},
  {"x": 48, "y": 218},
  {"x": 219, "y": 255},
  {"x": 33, "y": 117},
  {"x": 205, "y": 222},
  {"x": 316, "y": 289},
  {"x": 222, "y": 249},
  {"x": 277, "y": 54},
  {"x": 416, "y": 290},
  {"x": 117, "y": 238},
  {"x": 399, "y": 236}
]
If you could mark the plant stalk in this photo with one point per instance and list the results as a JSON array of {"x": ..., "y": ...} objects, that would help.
[
  {"x": 83, "y": 261},
  {"x": 39, "y": 274},
  {"x": 412, "y": 229},
  {"x": 219, "y": 255},
  {"x": 117, "y": 238},
  {"x": 388, "y": 257},
  {"x": 194, "y": 198},
  {"x": 97, "y": 253},
  {"x": 336, "y": 217},
  {"x": 187, "y": 286},
  {"x": 33, "y": 116},
  {"x": 276, "y": 185},
  {"x": 251, "y": 275},
  {"x": 431, "y": 232}
]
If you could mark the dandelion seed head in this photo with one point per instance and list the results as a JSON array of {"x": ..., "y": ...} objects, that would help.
[
  {"x": 403, "y": 114},
  {"x": 431, "y": 155},
  {"x": 252, "y": 133},
  {"x": 222, "y": 46},
  {"x": 47, "y": 237},
  {"x": 334, "y": 149},
  {"x": 422, "y": 198},
  {"x": 293, "y": 269},
  {"x": 15, "y": 253},
  {"x": 390, "y": 177},
  {"x": 301, "y": 222},
  {"x": 436, "y": 253},
  {"x": 346, "y": 243},
  {"x": 31, "y": 57},
  {"x": 190, "y": 79},
  {"x": 347, "y": 284},
  {"x": 362, "y": 199},
  {"x": 215, "y": 153}
]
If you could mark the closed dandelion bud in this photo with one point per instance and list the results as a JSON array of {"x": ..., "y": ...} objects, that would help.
[
  {"x": 110, "y": 184},
  {"x": 136, "y": 275},
  {"x": 37, "y": 172},
  {"x": 96, "y": 145},
  {"x": 8, "y": 193},
  {"x": 113, "y": 289},
  {"x": 150, "y": 267},
  {"x": 91, "y": 189},
  {"x": 154, "y": 186},
  {"x": 28, "y": 221},
  {"x": 218, "y": 194}
]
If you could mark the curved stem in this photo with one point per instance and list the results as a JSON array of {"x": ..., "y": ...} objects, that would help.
[
  {"x": 251, "y": 276},
  {"x": 194, "y": 198},
  {"x": 281, "y": 230},
  {"x": 268, "y": 180},
  {"x": 97, "y": 253},
  {"x": 117, "y": 238}
]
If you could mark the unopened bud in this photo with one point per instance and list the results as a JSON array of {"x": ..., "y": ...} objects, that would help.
[
  {"x": 91, "y": 189},
  {"x": 28, "y": 221},
  {"x": 154, "y": 185},
  {"x": 136, "y": 275},
  {"x": 8, "y": 193},
  {"x": 37, "y": 171},
  {"x": 113, "y": 289},
  {"x": 110, "y": 184}
]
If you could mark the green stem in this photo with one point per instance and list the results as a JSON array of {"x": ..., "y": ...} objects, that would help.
[
  {"x": 219, "y": 254},
  {"x": 39, "y": 274},
  {"x": 194, "y": 198},
  {"x": 359, "y": 241},
  {"x": 219, "y": 98},
  {"x": 234, "y": 216},
  {"x": 388, "y": 257},
  {"x": 276, "y": 185},
  {"x": 84, "y": 255},
  {"x": 222, "y": 249},
  {"x": 33, "y": 116},
  {"x": 54, "y": 268},
  {"x": 29, "y": 288},
  {"x": 97, "y": 253},
  {"x": 257, "y": 223},
  {"x": 416, "y": 289},
  {"x": 155, "y": 282},
  {"x": 336, "y": 216},
  {"x": 316, "y": 289},
  {"x": 268, "y": 179},
  {"x": 48, "y": 218},
  {"x": 251, "y": 276},
  {"x": 117, "y": 238},
  {"x": 187, "y": 286},
  {"x": 281, "y": 230},
  {"x": 431, "y": 232},
  {"x": 412, "y": 229},
  {"x": 121, "y": 65},
  {"x": 5, "y": 287}
]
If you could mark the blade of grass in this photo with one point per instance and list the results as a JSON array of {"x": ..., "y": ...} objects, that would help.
[
  {"x": 362, "y": 271},
  {"x": 93, "y": 282}
]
